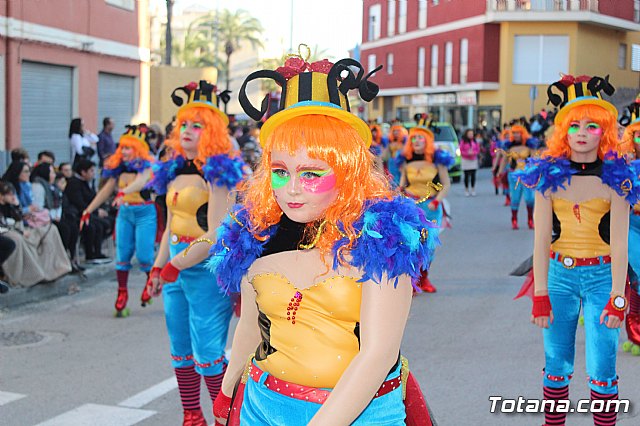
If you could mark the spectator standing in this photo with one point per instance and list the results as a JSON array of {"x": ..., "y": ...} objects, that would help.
[
  {"x": 106, "y": 145},
  {"x": 469, "y": 150},
  {"x": 79, "y": 193},
  {"x": 83, "y": 143}
]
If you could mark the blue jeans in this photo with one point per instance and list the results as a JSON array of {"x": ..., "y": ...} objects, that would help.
[
  {"x": 197, "y": 316},
  {"x": 135, "y": 232},
  {"x": 517, "y": 190},
  {"x": 262, "y": 406},
  {"x": 590, "y": 285}
]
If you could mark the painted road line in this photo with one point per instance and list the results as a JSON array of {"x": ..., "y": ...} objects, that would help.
[
  {"x": 7, "y": 397},
  {"x": 99, "y": 415},
  {"x": 145, "y": 397}
]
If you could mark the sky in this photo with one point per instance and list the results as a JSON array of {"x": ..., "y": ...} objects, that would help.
[{"x": 332, "y": 25}]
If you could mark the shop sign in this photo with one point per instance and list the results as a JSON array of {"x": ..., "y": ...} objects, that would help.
[
  {"x": 441, "y": 99},
  {"x": 467, "y": 98}
]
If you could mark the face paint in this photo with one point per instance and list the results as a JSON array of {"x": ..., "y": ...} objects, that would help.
[
  {"x": 279, "y": 178},
  {"x": 574, "y": 128},
  {"x": 636, "y": 140},
  {"x": 594, "y": 129},
  {"x": 317, "y": 181}
]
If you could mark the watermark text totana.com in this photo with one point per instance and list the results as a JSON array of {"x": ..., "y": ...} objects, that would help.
[{"x": 500, "y": 404}]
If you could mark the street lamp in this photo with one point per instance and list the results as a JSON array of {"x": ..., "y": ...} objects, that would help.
[{"x": 228, "y": 50}]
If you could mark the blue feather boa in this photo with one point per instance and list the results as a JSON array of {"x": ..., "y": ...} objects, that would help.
[
  {"x": 396, "y": 240},
  {"x": 136, "y": 166},
  {"x": 219, "y": 170},
  {"x": 443, "y": 158},
  {"x": 547, "y": 173},
  {"x": 621, "y": 177}
]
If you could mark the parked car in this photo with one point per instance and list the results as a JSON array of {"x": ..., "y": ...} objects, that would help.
[{"x": 446, "y": 139}]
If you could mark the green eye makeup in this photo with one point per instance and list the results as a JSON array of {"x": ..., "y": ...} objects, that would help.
[{"x": 279, "y": 178}]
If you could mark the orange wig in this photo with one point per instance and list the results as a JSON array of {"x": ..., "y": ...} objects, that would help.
[
  {"x": 378, "y": 139},
  {"x": 558, "y": 144},
  {"x": 339, "y": 145},
  {"x": 402, "y": 133},
  {"x": 519, "y": 129},
  {"x": 506, "y": 134},
  {"x": 627, "y": 144},
  {"x": 214, "y": 140},
  {"x": 140, "y": 151},
  {"x": 430, "y": 146}
]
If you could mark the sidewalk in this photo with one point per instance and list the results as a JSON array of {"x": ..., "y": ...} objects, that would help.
[{"x": 66, "y": 285}]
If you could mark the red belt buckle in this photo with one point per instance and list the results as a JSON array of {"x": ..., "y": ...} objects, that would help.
[{"x": 176, "y": 239}]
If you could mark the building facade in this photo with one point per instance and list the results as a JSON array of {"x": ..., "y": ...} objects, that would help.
[
  {"x": 480, "y": 63},
  {"x": 62, "y": 59}
]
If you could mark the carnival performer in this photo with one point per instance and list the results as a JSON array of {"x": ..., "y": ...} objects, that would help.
[
  {"x": 379, "y": 145},
  {"x": 126, "y": 172},
  {"x": 500, "y": 181},
  {"x": 520, "y": 147},
  {"x": 582, "y": 193},
  {"x": 393, "y": 155},
  {"x": 425, "y": 178},
  {"x": 311, "y": 250},
  {"x": 197, "y": 178},
  {"x": 631, "y": 145}
]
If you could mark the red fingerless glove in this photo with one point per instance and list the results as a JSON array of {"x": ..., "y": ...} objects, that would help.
[
  {"x": 84, "y": 219},
  {"x": 222, "y": 406},
  {"x": 169, "y": 273},
  {"x": 120, "y": 194},
  {"x": 612, "y": 310},
  {"x": 154, "y": 273},
  {"x": 435, "y": 204},
  {"x": 541, "y": 306}
]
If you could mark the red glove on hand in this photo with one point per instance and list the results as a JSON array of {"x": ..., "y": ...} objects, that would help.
[
  {"x": 222, "y": 406},
  {"x": 541, "y": 306},
  {"x": 154, "y": 273},
  {"x": 84, "y": 220},
  {"x": 169, "y": 273},
  {"x": 612, "y": 310},
  {"x": 435, "y": 204},
  {"x": 118, "y": 200}
]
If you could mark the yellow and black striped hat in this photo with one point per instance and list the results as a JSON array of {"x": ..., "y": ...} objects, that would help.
[
  {"x": 631, "y": 114},
  {"x": 140, "y": 133},
  {"x": 580, "y": 90},
  {"x": 201, "y": 95},
  {"x": 319, "y": 88}
]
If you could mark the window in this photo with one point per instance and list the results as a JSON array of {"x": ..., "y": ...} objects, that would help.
[
  {"x": 389, "y": 63},
  {"x": 422, "y": 14},
  {"x": 391, "y": 21},
  {"x": 622, "y": 56},
  {"x": 448, "y": 63},
  {"x": 636, "y": 10},
  {"x": 635, "y": 57},
  {"x": 464, "y": 60},
  {"x": 434, "y": 65},
  {"x": 371, "y": 62},
  {"x": 539, "y": 59},
  {"x": 402, "y": 16},
  {"x": 374, "y": 22},
  {"x": 123, "y": 4},
  {"x": 436, "y": 2},
  {"x": 421, "y": 58}
]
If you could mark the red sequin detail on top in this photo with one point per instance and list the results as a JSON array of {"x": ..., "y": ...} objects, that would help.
[{"x": 293, "y": 307}]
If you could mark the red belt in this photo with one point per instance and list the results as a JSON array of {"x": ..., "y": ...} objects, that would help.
[
  {"x": 307, "y": 393},
  {"x": 571, "y": 262},
  {"x": 176, "y": 239},
  {"x": 613, "y": 382}
]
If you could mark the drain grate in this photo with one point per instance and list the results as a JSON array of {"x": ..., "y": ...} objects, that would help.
[{"x": 20, "y": 338}]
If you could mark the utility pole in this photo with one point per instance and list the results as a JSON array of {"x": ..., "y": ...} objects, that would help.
[
  {"x": 291, "y": 29},
  {"x": 168, "y": 39}
]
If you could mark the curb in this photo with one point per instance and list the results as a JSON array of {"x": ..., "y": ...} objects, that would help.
[{"x": 64, "y": 286}]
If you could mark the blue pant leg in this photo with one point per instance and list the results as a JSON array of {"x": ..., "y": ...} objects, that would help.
[
  {"x": 515, "y": 191},
  {"x": 601, "y": 342},
  {"x": 125, "y": 238},
  {"x": 634, "y": 243},
  {"x": 560, "y": 337},
  {"x": 529, "y": 195},
  {"x": 176, "y": 313},
  {"x": 433, "y": 215},
  {"x": 146, "y": 224},
  {"x": 209, "y": 315}
]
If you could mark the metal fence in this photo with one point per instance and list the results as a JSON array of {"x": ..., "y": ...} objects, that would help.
[{"x": 543, "y": 5}]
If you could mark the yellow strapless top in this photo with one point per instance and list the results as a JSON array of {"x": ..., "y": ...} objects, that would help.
[
  {"x": 579, "y": 235},
  {"x": 418, "y": 179},
  {"x": 123, "y": 181},
  {"x": 318, "y": 347},
  {"x": 520, "y": 157},
  {"x": 184, "y": 205}
]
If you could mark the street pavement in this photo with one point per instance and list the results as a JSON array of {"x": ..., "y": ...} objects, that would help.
[{"x": 68, "y": 361}]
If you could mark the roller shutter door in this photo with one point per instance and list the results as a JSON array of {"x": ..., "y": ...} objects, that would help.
[
  {"x": 46, "y": 109},
  {"x": 115, "y": 100}
]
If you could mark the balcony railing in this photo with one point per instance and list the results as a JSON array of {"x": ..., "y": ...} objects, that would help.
[{"x": 542, "y": 5}]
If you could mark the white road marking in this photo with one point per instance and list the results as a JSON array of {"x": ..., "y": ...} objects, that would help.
[
  {"x": 7, "y": 397},
  {"x": 143, "y": 398},
  {"x": 99, "y": 415}
]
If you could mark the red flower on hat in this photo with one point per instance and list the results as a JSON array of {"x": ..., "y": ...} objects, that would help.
[
  {"x": 323, "y": 66},
  {"x": 569, "y": 80},
  {"x": 292, "y": 67},
  {"x": 191, "y": 86}
]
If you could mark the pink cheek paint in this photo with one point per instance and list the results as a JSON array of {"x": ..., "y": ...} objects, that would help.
[
  {"x": 596, "y": 131},
  {"x": 320, "y": 184}
]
